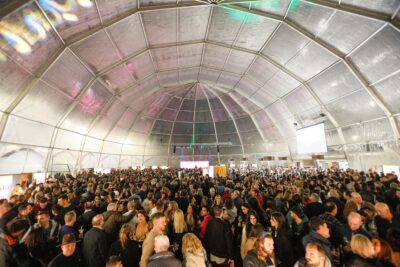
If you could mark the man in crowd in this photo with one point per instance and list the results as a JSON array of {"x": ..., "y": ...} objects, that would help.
[
  {"x": 162, "y": 256},
  {"x": 159, "y": 224},
  {"x": 70, "y": 255},
  {"x": 319, "y": 233},
  {"x": 95, "y": 243},
  {"x": 315, "y": 257}
]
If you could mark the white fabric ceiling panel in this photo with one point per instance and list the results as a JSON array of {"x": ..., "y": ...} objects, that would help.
[
  {"x": 181, "y": 139},
  {"x": 281, "y": 84},
  {"x": 68, "y": 140},
  {"x": 389, "y": 91},
  {"x": 338, "y": 31},
  {"x": 225, "y": 25},
  {"x": 183, "y": 128},
  {"x": 83, "y": 16},
  {"x": 319, "y": 57},
  {"x": 247, "y": 87},
  {"x": 356, "y": 107},
  {"x": 125, "y": 161},
  {"x": 245, "y": 124},
  {"x": 227, "y": 80},
  {"x": 300, "y": 100},
  {"x": 384, "y": 6},
  {"x": 262, "y": 70},
  {"x": 275, "y": 7},
  {"x": 29, "y": 42},
  {"x": 109, "y": 9},
  {"x": 90, "y": 160},
  {"x": 155, "y": 2},
  {"x": 220, "y": 115},
  {"x": 311, "y": 17},
  {"x": 168, "y": 78},
  {"x": 120, "y": 130},
  {"x": 185, "y": 116},
  {"x": 63, "y": 160},
  {"x": 254, "y": 28},
  {"x": 379, "y": 56},
  {"x": 238, "y": 61},
  {"x": 332, "y": 138},
  {"x": 141, "y": 66},
  {"x": 188, "y": 104},
  {"x": 251, "y": 137},
  {"x": 162, "y": 127},
  {"x": 215, "y": 56},
  {"x": 190, "y": 55},
  {"x": 334, "y": 83},
  {"x": 109, "y": 161},
  {"x": 12, "y": 81},
  {"x": 254, "y": 148},
  {"x": 370, "y": 131},
  {"x": 208, "y": 76},
  {"x": 43, "y": 103},
  {"x": 111, "y": 148},
  {"x": 22, "y": 131},
  {"x": 156, "y": 151},
  {"x": 235, "y": 110},
  {"x": 156, "y": 161},
  {"x": 97, "y": 51},
  {"x": 160, "y": 26},
  {"x": 285, "y": 44},
  {"x": 132, "y": 150},
  {"x": 204, "y": 128},
  {"x": 102, "y": 127},
  {"x": 230, "y": 150},
  {"x": 142, "y": 125},
  {"x": 136, "y": 138},
  {"x": 92, "y": 144},
  {"x": 68, "y": 74},
  {"x": 118, "y": 78},
  {"x": 250, "y": 106},
  {"x": 188, "y": 75},
  {"x": 128, "y": 35},
  {"x": 278, "y": 112},
  {"x": 165, "y": 58},
  {"x": 168, "y": 114},
  {"x": 225, "y": 127},
  {"x": 203, "y": 116},
  {"x": 233, "y": 139},
  {"x": 262, "y": 98},
  {"x": 193, "y": 18}
]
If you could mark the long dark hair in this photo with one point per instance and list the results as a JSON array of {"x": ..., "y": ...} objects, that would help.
[{"x": 248, "y": 223}]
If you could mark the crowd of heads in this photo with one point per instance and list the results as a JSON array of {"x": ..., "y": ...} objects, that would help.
[{"x": 276, "y": 217}]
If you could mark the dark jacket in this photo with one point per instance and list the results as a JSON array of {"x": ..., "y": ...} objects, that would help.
[
  {"x": 346, "y": 234},
  {"x": 95, "y": 247},
  {"x": 113, "y": 221},
  {"x": 252, "y": 260},
  {"x": 314, "y": 237},
  {"x": 283, "y": 247},
  {"x": 130, "y": 255},
  {"x": 85, "y": 220},
  {"x": 314, "y": 209},
  {"x": 357, "y": 261},
  {"x": 75, "y": 260},
  {"x": 164, "y": 259},
  {"x": 218, "y": 239}
]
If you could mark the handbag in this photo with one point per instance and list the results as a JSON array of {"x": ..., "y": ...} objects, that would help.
[{"x": 206, "y": 261}]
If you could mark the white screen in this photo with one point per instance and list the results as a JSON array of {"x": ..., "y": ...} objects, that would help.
[{"x": 311, "y": 139}]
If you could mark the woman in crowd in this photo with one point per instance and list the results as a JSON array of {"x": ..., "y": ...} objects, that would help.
[
  {"x": 363, "y": 253},
  {"x": 191, "y": 219},
  {"x": 179, "y": 229},
  {"x": 250, "y": 242},
  {"x": 193, "y": 252},
  {"x": 384, "y": 252},
  {"x": 252, "y": 219},
  {"x": 282, "y": 239},
  {"x": 126, "y": 247}
]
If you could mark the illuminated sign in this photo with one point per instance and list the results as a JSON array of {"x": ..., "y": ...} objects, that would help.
[{"x": 6, "y": 183}]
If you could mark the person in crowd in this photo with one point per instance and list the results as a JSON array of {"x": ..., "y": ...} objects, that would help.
[
  {"x": 384, "y": 219},
  {"x": 95, "y": 243},
  {"x": 353, "y": 227},
  {"x": 43, "y": 205},
  {"x": 299, "y": 225},
  {"x": 319, "y": 233},
  {"x": 315, "y": 257},
  {"x": 113, "y": 221},
  {"x": 163, "y": 257},
  {"x": 218, "y": 239},
  {"x": 178, "y": 230},
  {"x": 39, "y": 248},
  {"x": 251, "y": 239},
  {"x": 205, "y": 214},
  {"x": 6, "y": 214},
  {"x": 263, "y": 253},
  {"x": 114, "y": 261},
  {"x": 70, "y": 255},
  {"x": 159, "y": 225},
  {"x": 194, "y": 255},
  {"x": 384, "y": 252},
  {"x": 314, "y": 207},
  {"x": 191, "y": 219},
  {"x": 363, "y": 253},
  {"x": 68, "y": 227},
  {"x": 85, "y": 219},
  {"x": 393, "y": 238},
  {"x": 329, "y": 216},
  {"x": 333, "y": 196},
  {"x": 126, "y": 247},
  {"x": 49, "y": 227},
  {"x": 282, "y": 240},
  {"x": 11, "y": 252},
  {"x": 252, "y": 219}
]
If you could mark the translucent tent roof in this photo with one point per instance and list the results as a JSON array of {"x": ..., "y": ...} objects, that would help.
[{"x": 116, "y": 83}]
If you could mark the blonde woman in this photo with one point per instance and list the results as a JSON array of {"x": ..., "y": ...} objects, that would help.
[
  {"x": 193, "y": 252},
  {"x": 363, "y": 253},
  {"x": 126, "y": 247},
  {"x": 178, "y": 230},
  {"x": 171, "y": 208}
]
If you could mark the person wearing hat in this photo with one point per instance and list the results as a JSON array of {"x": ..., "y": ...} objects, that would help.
[{"x": 69, "y": 256}]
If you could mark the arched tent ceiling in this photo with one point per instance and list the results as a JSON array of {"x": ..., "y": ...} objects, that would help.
[{"x": 113, "y": 83}]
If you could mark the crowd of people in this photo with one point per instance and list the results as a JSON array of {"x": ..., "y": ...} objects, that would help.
[{"x": 153, "y": 217}]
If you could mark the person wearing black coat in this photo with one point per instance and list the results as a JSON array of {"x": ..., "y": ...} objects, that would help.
[
  {"x": 314, "y": 208},
  {"x": 218, "y": 238},
  {"x": 95, "y": 247},
  {"x": 85, "y": 220},
  {"x": 163, "y": 257},
  {"x": 283, "y": 246},
  {"x": 127, "y": 248}
]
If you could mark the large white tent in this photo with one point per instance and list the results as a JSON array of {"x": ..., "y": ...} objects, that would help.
[{"x": 118, "y": 83}]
